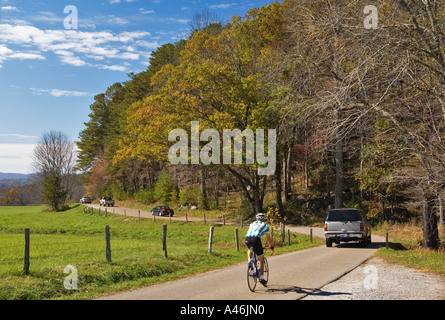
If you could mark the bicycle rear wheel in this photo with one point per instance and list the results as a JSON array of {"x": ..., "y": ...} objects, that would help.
[
  {"x": 266, "y": 270},
  {"x": 252, "y": 275}
]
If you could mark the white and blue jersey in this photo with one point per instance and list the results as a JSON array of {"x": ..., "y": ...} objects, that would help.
[{"x": 257, "y": 229}]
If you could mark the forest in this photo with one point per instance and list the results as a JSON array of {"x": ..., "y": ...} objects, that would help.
[{"x": 354, "y": 92}]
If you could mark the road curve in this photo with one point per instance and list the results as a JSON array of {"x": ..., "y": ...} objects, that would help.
[{"x": 292, "y": 275}]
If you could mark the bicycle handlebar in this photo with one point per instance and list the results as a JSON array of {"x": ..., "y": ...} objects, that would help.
[{"x": 269, "y": 248}]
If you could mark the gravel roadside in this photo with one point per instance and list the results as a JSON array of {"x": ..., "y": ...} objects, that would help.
[{"x": 378, "y": 280}]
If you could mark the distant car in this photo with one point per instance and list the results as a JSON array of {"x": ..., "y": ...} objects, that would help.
[
  {"x": 106, "y": 201},
  {"x": 85, "y": 199},
  {"x": 344, "y": 225},
  {"x": 162, "y": 211}
]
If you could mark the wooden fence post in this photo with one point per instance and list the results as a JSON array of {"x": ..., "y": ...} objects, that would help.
[
  {"x": 108, "y": 244},
  {"x": 283, "y": 236},
  {"x": 164, "y": 239},
  {"x": 26, "y": 264},
  {"x": 224, "y": 219},
  {"x": 236, "y": 240},
  {"x": 210, "y": 239},
  {"x": 311, "y": 234},
  {"x": 288, "y": 236},
  {"x": 386, "y": 240},
  {"x": 205, "y": 219}
]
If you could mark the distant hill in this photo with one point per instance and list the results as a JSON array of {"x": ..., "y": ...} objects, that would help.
[
  {"x": 14, "y": 179},
  {"x": 14, "y": 176}
]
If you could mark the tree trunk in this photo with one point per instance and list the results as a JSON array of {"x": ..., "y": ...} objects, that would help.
[
  {"x": 204, "y": 203},
  {"x": 339, "y": 183},
  {"x": 287, "y": 175},
  {"x": 430, "y": 231},
  {"x": 441, "y": 211},
  {"x": 278, "y": 187}
]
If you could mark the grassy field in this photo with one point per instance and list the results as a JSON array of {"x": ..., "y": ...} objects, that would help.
[
  {"x": 75, "y": 238},
  {"x": 404, "y": 248}
]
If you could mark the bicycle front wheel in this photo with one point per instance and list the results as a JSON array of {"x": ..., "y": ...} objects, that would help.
[{"x": 252, "y": 275}]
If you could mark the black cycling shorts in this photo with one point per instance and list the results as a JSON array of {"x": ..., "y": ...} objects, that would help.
[{"x": 255, "y": 243}]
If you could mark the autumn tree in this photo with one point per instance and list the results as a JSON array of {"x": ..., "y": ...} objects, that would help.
[{"x": 393, "y": 71}]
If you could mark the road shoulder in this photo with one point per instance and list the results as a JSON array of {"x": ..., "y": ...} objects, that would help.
[{"x": 378, "y": 280}]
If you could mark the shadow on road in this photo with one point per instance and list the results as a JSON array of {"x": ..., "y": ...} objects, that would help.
[
  {"x": 282, "y": 289},
  {"x": 372, "y": 245}
]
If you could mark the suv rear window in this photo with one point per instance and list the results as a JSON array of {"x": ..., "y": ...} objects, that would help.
[{"x": 344, "y": 215}]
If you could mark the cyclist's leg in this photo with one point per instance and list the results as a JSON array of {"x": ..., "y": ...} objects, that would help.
[
  {"x": 260, "y": 254},
  {"x": 250, "y": 245},
  {"x": 261, "y": 263},
  {"x": 249, "y": 254}
]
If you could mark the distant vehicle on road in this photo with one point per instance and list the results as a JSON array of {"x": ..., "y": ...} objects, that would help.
[
  {"x": 344, "y": 225},
  {"x": 162, "y": 211},
  {"x": 85, "y": 199},
  {"x": 106, "y": 201}
]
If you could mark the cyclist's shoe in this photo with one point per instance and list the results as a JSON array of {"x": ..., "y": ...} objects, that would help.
[{"x": 263, "y": 282}]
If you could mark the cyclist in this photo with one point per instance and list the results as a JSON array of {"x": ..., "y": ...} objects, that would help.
[{"x": 258, "y": 229}]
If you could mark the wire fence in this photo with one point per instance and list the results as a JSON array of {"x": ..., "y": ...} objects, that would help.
[{"x": 23, "y": 251}]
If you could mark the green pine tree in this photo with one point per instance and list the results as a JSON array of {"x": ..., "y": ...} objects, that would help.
[{"x": 53, "y": 191}]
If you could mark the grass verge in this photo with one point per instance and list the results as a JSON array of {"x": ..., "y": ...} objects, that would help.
[{"x": 404, "y": 240}]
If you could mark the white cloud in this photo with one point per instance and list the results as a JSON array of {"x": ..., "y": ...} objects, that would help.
[
  {"x": 9, "y": 8},
  {"x": 222, "y": 5},
  {"x": 15, "y": 138},
  {"x": 59, "y": 93},
  {"x": 143, "y": 11},
  {"x": 113, "y": 68},
  {"x": 178, "y": 20},
  {"x": 6, "y": 53},
  {"x": 26, "y": 56},
  {"x": 119, "y": 1},
  {"x": 147, "y": 44},
  {"x": 73, "y": 47},
  {"x": 16, "y": 158},
  {"x": 74, "y": 61}
]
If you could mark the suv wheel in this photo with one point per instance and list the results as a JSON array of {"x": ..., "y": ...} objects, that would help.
[
  {"x": 364, "y": 243},
  {"x": 328, "y": 243}
]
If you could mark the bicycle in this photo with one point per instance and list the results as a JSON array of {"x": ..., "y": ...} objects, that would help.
[{"x": 253, "y": 270}]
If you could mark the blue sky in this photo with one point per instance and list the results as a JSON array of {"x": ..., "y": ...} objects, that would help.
[{"x": 50, "y": 71}]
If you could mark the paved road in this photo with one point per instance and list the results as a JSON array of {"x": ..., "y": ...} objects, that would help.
[
  {"x": 292, "y": 275},
  {"x": 144, "y": 214}
]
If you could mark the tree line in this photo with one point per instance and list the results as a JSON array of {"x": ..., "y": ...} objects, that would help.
[{"x": 358, "y": 111}]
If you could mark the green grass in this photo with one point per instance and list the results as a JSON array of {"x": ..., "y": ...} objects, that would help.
[
  {"x": 75, "y": 238},
  {"x": 404, "y": 249}
]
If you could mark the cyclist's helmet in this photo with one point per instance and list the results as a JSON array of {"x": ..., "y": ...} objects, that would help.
[{"x": 261, "y": 217}]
